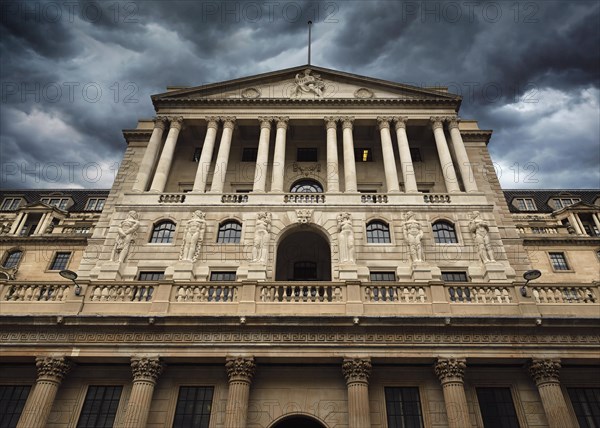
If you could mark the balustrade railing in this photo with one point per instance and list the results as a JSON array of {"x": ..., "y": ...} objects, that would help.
[
  {"x": 171, "y": 198},
  {"x": 206, "y": 293},
  {"x": 394, "y": 293},
  {"x": 563, "y": 295},
  {"x": 301, "y": 293},
  {"x": 373, "y": 198},
  {"x": 479, "y": 294},
  {"x": 36, "y": 293},
  {"x": 432, "y": 198},
  {"x": 234, "y": 198},
  {"x": 121, "y": 293},
  {"x": 304, "y": 198}
]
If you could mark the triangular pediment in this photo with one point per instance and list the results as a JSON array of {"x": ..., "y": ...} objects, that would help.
[{"x": 308, "y": 83}]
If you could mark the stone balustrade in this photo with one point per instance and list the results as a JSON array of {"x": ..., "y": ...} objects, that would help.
[
  {"x": 431, "y": 198},
  {"x": 304, "y": 198},
  {"x": 373, "y": 198},
  {"x": 171, "y": 198},
  {"x": 564, "y": 295},
  {"x": 299, "y": 293},
  {"x": 234, "y": 198},
  {"x": 206, "y": 293},
  {"x": 480, "y": 294},
  {"x": 394, "y": 293},
  {"x": 121, "y": 293},
  {"x": 36, "y": 293}
]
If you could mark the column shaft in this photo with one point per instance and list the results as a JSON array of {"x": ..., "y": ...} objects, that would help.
[
  {"x": 240, "y": 371},
  {"x": 206, "y": 155},
  {"x": 446, "y": 163},
  {"x": 406, "y": 163},
  {"x": 451, "y": 373},
  {"x": 333, "y": 168},
  {"x": 387, "y": 150},
  {"x": 575, "y": 224},
  {"x": 21, "y": 223},
  {"x": 349, "y": 163},
  {"x": 278, "y": 171},
  {"x": 145, "y": 374},
  {"x": 466, "y": 171},
  {"x": 581, "y": 227},
  {"x": 166, "y": 157},
  {"x": 38, "y": 406},
  {"x": 596, "y": 219},
  {"x": 40, "y": 226},
  {"x": 356, "y": 372},
  {"x": 15, "y": 225},
  {"x": 262, "y": 156},
  {"x": 220, "y": 173},
  {"x": 145, "y": 167},
  {"x": 545, "y": 373}
]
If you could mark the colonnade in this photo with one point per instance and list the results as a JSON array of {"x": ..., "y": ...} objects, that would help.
[
  {"x": 241, "y": 371},
  {"x": 163, "y": 156}
]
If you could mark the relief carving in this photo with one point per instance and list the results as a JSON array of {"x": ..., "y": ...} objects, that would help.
[
  {"x": 262, "y": 237},
  {"x": 193, "y": 237},
  {"x": 306, "y": 83},
  {"x": 413, "y": 233},
  {"x": 345, "y": 238},
  {"x": 480, "y": 230},
  {"x": 126, "y": 237}
]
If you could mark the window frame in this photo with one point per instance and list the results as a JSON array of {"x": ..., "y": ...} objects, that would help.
[
  {"x": 451, "y": 224},
  {"x": 514, "y": 393},
  {"x": 8, "y": 253},
  {"x": 19, "y": 384},
  {"x": 382, "y": 272},
  {"x": 525, "y": 207},
  {"x": 53, "y": 260},
  {"x": 425, "y": 416},
  {"x": 305, "y": 182},
  {"x": 572, "y": 385},
  {"x": 222, "y": 272},
  {"x": 172, "y": 409},
  {"x": 160, "y": 234},
  {"x": 161, "y": 275},
  {"x": 101, "y": 385},
  {"x": 368, "y": 232},
  {"x": 97, "y": 201},
  {"x": 221, "y": 232},
  {"x": 62, "y": 204},
  {"x": 565, "y": 258},
  {"x": 12, "y": 200},
  {"x": 454, "y": 272}
]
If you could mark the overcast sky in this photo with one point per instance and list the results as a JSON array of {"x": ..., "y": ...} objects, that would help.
[{"x": 74, "y": 74}]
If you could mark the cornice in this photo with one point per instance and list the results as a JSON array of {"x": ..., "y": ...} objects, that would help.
[
  {"x": 567, "y": 239},
  {"x": 476, "y": 135},
  {"x": 135, "y": 135}
]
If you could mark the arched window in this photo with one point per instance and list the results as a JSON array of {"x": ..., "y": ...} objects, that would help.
[
  {"x": 444, "y": 233},
  {"x": 163, "y": 232},
  {"x": 307, "y": 186},
  {"x": 12, "y": 259},
  {"x": 378, "y": 232},
  {"x": 230, "y": 232}
]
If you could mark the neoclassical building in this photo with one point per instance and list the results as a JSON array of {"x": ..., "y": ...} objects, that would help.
[{"x": 302, "y": 248}]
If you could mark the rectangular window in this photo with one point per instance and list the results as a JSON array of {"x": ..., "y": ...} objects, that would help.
[
  {"x": 222, "y": 276},
  {"x": 403, "y": 407},
  {"x": 151, "y": 276},
  {"x": 197, "y": 153},
  {"x": 525, "y": 204},
  {"x": 383, "y": 276},
  {"x": 586, "y": 404},
  {"x": 12, "y": 401},
  {"x": 307, "y": 155},
  {"x": 455, "y": 277},
  {"x": 10, "y": 204},
  {"x": 497, "y": 407},
  {"x": 363, "y": 154},
  {"x": 95, "y": 204},
  {"x": 559, "y": 261},
  {"x": 61, "y": 260},
  {"x": 194, "y": 404},
  {"x": 415, "y": 155},
  {"x": 249, "y": 154},
  {"x": 100, "y": 407}
]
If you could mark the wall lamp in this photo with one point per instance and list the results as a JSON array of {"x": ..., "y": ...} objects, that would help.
[
  {"x": 69, "y": 274},
  {"x": 530, "y": 275}
]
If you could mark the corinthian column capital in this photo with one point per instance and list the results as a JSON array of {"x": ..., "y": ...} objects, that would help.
[
  {"x": 212, "y": 122},
  {"x": 544, "y": 371},
  {"x": 52, "y": 368},
  {"x": 240, "y": 368},
  {"x": 160, "y": 122},
  {"x": 453, "y": 121},
  {"x": 331, "y": 122},
  {"x": 265, "y": 121},
  {"x": 282, "y": 122},
  {"x": 400, "y": 122},
  {"x": 384, "y": 122},
  {"x": 356, "y": 370},
  {"x": 176, "y": 122},
  {"x": 228, "y": 121},
  {"x": 437, "y": 122},
  {"x": 450, "y": 369},
  {"x": 347, "y": 122},
  {"x": 146, "y": 368}
]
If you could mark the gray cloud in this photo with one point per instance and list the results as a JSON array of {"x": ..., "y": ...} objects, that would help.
[{"x": 73, "y": 76}]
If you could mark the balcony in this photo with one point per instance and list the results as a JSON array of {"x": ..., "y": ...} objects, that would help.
[{"x": 387, "y": 299}]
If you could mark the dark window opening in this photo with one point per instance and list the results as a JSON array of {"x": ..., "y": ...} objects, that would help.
[
  {"x": 12, "y": 259},
  {"x": 163, "y": 233},
  {"x": 222, "y": 276},
  {"x": 61, "y": 260},
  {"x": 415, "y": 155},
  {"x": 497, "y": 408},
  {"x": 12, "y": 402},
  {"x": 151, "y": 276},
  {"x": 305, "y": 271},
  {"x": 455, "y": 277},
  {"x": 378, "y": 233},
  {"x": 586, "y": 404},
  {"x": 194, "y": 404},
  {"x": 229, "y": 233},
  {"x": 363, "y": 154},
  {"x": 383, "y": 276},
  {"x": 307, "y": 155},
  {"x": 100, "y": 407},
  {"x": 403, "y": 407},
  {"x": 444, "y": 233},
  {"x": 559, "y": 261},
  {"x": 249, "y": 154},
  {"x": 197, "y": 153}
]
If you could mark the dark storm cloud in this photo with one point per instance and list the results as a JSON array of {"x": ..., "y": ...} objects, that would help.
[{"x": 74, "y": 74}]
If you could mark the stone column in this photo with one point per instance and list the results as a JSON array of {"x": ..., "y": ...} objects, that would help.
[
  {"x": 349, "y": 164},
  {"x": 596, "y": 218},
  {"x": 262, "y": 156},
  {"x": 581, "y": 227},
  {"x": 278, "y": 171},
  {"x": 146, "y": 371},
  {"x": 545, "y": 374},
  {"x": 387, "y": 150},
  {"x": 575, "y": 224},
  {"x": 220, "y": 173},
  {"x": 333, "y": 167},
  {"x": 212, "y": 125},
  {"x": 406, "y": 163},
  {"x": 448, "y": 171},
  {"x": 40, "y": 226},
  {"x": 51, "y": 372},
  {"x": 16, "y": 222},
  {"x": 48, "y": 220},
  {"x": 462, "y": 158},
  {"x": 145, "y": 167},
  {"x": 240, "y": 371},
  {"x": 166, "y": 156},
  {"x": 356, "y": 372},
  {"x": 451, "y": 371},
  {"x": 20, "y": 223}
]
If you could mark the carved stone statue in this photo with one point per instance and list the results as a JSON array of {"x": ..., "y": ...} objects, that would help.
[
  {"x": 413, "y": 233},
  {"x": 480, "y": 230},
  {"x": 5, "y": 228},
  {"x": 262, "y": 236},
  {"x": 345, "y": 238},
  {"x": 307, "y": 83},
  {"x": 193, "y": 237},
  {"x": 126, "y": 237}
]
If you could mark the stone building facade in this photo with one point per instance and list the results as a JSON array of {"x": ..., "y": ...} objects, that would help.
[{"x": 301, "y": 248}]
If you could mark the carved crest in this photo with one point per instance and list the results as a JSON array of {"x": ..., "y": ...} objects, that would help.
[
  {"x": 306, "y": 83},
  {"x": 304, "y": 216}
]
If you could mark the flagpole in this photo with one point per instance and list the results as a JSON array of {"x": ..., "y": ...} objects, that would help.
[{"x": 309, "y": 27}]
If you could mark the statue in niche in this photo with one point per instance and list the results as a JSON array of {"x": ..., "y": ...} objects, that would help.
[
  {"x": 307, "y": 83},
  {"x": 480, "y": 230},
  {"x": 262, "y": 237},
  {"x": 413, "y": 233},
  {"x": 126, "y": 237},
  {"x": 193, "y": 237},
  {"x": 345, "y": 238}
]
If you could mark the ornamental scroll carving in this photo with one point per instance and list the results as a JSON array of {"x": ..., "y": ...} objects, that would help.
[
  {"x": 413, "y": 233},
  {"x": 193, "y": 237},
  {"x": 544, "y": 371},
  {"x": 480, "y": 230},
  {"x": 146, "y": 368},
  {"x": 127, "y": 233},
  {"x": 306, "y": 83},
  {"x": 450, "y": 369},
  {"x": 345, "y": 238},
  {"x": 262, "y": 237},
  {"x": 240, "y": 368},
  {"x": 356, "y": 369},
  {"x": 52, "y": 368}
]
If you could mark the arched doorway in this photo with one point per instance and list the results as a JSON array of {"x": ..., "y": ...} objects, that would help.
[
  {"x": 298, "y": 422},
  {"x": 303, "y": 254}
]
